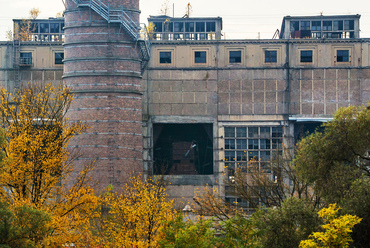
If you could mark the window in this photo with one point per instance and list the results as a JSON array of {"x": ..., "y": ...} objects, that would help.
[
  {"x": 327, "y": 25},
  {"x": 337, "y": 25},
  {"x": 165, "y": 58},
  {"x": 200, "y": 26},
  {"x": 200, "y": 57},
  {"x": 235, "y": 56},
  {"x": 316, "y": 25},
  {"x": 44, "y": 27},
  {"x": 305, "y": 25},
  {"x": 189, "y": 26},
  {"x": 158, "y": 26},
  {"x": 342, "y": 55},
  {"x": 179, "y": 27},
  {"x": 54, "y": 27},
  {"x": 211, "y": 26},
  {"x": 25, "y": 59},
  {"x": 294, "y": 26},
  {"x": 349, "y": 25},
  {"x": 270, "y": 56},
  {"x": 306, "y": 56},
  {"x": 59, "y": 58}
]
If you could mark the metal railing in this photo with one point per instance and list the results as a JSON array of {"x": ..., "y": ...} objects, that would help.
[{"x": 123, "y": 17}]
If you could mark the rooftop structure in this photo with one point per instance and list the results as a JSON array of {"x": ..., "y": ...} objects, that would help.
[
  {"x": 51, "y": 29},
  {"x": 186, "y": 28},
  {"x": 321, "y": 27}
]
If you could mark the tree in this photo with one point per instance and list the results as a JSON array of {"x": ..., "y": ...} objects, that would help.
[
  {"x": 34, "y": 13},
  {"x": 23, "y": 226},
  {"x": 335, "y": 163},
  {"x": 189, "y": 10},
  {"x": 337, "y": 230},
  {"x": 178, "y": 233},
  {"x": 287, "y": 225},
  {"x": 37, "y": 167},
  {"x": 136, "y": 216},
  {"x": 165, "y": 8}
]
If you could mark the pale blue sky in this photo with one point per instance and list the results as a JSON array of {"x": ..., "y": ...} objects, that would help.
[{"x": 241, "y": 18}]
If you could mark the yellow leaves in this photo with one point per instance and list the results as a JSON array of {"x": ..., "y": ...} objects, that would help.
[
  {"x": 337, "y": 229},
  {"x": 36, "y": 167},
  {"x": 137, "y": 215}
]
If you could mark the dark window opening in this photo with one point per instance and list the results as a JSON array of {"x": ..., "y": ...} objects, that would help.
[
  {"x": 294, "y": 26},
  {"x": 54, "y": 27},
  {"x": 179, "y": 27},
  {"x": 316, "y": 25},
  {"x": 303, "y": 129},
  {"x": 270, "y": 56},
  {"x": 189, "y": 26},
  {"x": 211, "y": 26},
  {"x": 327, "y": 25},
  {"x": 306, "y": 56},
  {"x": 25, "y": 59},
  {"x": 200, "y": 57},
  {"x": 158, "y": 26},
  {"x": 200, "y": 26},
  {"x": 342, "y": 56},
  {"x": 305, "y": 25},
  {"x": 44, "y": 27},
  {"x": 349, "y": 25},
  {"x": 165, "y": 57},
  {"x": 59, "y": 58},
  {"x": 337, "y": 25},
  {"x": 235, "y": 57},
  {"x": 183, "y": 149}
]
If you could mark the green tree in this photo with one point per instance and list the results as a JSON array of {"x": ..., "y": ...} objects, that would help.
[
  {"x": 23, "y": 226},
  {"x": 335, "y": 163},
  {"x": 178, "y": 233},
  {"x": 287, "y": 225},
  {"x": 337, "y": 230}
]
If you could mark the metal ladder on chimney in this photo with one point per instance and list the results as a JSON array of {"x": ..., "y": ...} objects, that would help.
[
  {"x": 16, "y": 57},
  {"x": 133, "y": 28}
]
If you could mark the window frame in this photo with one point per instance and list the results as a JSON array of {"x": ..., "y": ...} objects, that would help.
[
  {"x": 58, "y": 61},
  {"x": 306, "y": 58},
  {"x": 165, "y": 58},
  {"x": 272, "y": 59},
  {"x": 199, "y": 59},
  {"x": 237, "y": 60}
]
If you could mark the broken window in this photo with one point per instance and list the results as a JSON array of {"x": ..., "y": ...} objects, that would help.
[
  {"x": 184, "y": 149},
  {"x": 342, "y": 55},
  {"x": 306, "y": 56},
  {"x": 200, "y": 57},
  {"x": 59, "y": 58},
  {"x": 165, "y": 57},
  {"x": 235, "y": 56},
  {"x": 270, "y": 56}
]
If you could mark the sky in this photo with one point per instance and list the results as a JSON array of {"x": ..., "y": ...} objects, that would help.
[{"x": 242, "y": 19}]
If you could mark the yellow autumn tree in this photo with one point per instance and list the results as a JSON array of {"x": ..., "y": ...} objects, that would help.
[
  {"x": 36, "y": 166},
  {"x": 337, "y": 230},
  {"x": 137, "y": 216}
]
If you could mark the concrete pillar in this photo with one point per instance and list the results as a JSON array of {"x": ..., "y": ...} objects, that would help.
[{"x": 102, "y": 68}]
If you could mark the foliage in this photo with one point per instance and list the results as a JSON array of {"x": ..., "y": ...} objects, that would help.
[
  {"x": 239, "y": 231},
  {"x": 151, "y": 30},
  {"x": 287, "y": 225},
  {"x": 334, "y": 159},
  {"x": 22, "y": 226},
  {"x": 165, "y": 8},
  {"x": 36, "y": 170},
  {"x": 136, "y": 216},
  {"x": 34, "y": 13},
  {"x": 337, "y": 229},
  {"x": 178, "y": 233}
]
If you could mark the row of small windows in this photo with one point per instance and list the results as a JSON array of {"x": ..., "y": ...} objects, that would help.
[
  {"x": 337, "y": 25},
  {"x": 306, "y": 56},
  {"x": 185, "y": 26}
]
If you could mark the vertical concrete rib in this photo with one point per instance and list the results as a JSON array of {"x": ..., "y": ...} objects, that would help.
[{"x": 102, "y": 68}]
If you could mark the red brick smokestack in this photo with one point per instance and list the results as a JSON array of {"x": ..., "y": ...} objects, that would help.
[{"x": 102, "y": 68}]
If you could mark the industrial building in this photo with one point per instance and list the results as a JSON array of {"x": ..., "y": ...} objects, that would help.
[{"x": 201, "y": 104}]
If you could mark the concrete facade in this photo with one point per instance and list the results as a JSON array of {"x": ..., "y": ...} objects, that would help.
[{"x": 208, "y": 107}]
